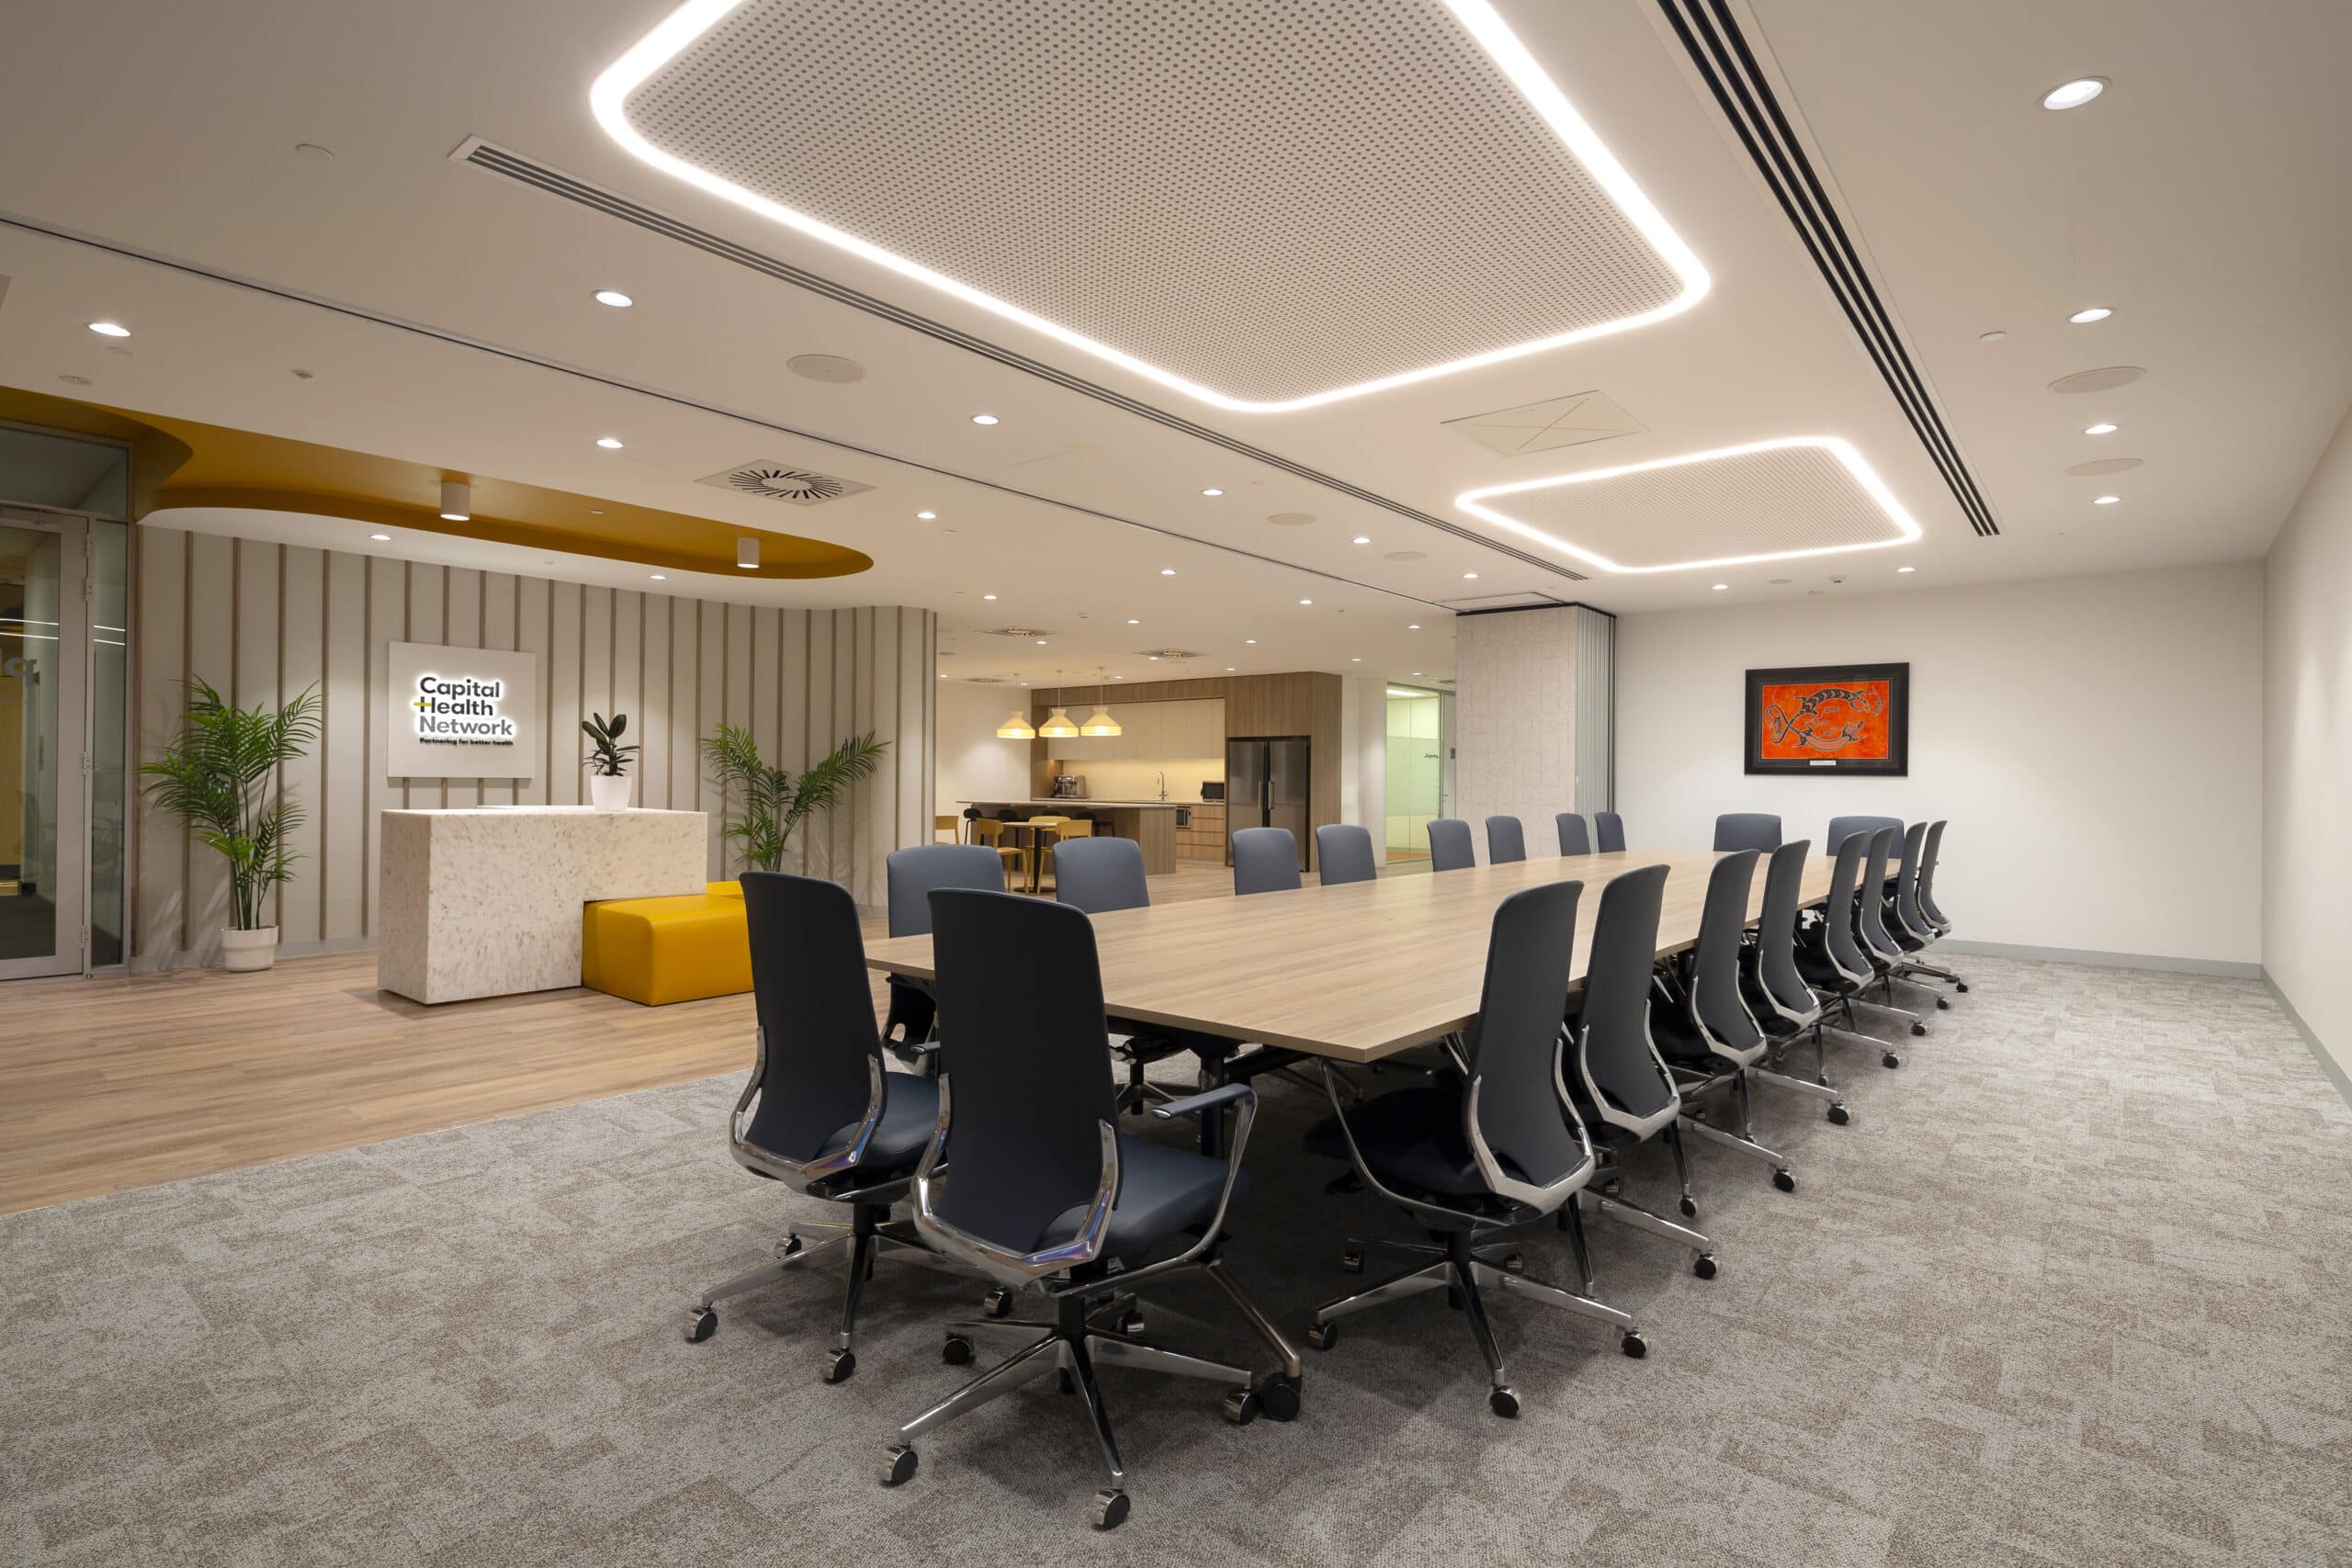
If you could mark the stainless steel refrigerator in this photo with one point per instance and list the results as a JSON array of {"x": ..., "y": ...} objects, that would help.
[{"x": 1265, "y": 787}]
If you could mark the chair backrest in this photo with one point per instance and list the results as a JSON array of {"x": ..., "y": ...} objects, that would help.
[
  {"x": 1573, "y": 839},
  {"x": 1514, "y": 1047},
  {"x": 1715, "y": 1002},
  {"x": 1747, "y": 830},
  {"x": 1927, "y": 874},
  {"x": 1838, "y": 914},
  {"x": 1869, "y": 898},
  {"x": 1907, "y": 884},
  {"x": 1099, "y": 876},
  {"x": 1506, "y": 840},
  {"x": 1609, "y": 832},
  {"x": 1844, "y": 828},
  {"x": 1265, "y": 860},
  {"x": 1025, "y": 1078},
  {"x": 1776, "y": 932},
  {"x": 1619, "y": 1060},
  {"x": 1450, "y": 844},
  {"x": 1343, "y": 853},
  {"x": 815, "y": 1006},
  {"x": 911, "y": 874}
]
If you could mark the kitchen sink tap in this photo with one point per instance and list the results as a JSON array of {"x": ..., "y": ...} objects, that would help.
[{"x": 1163, "y": 786}]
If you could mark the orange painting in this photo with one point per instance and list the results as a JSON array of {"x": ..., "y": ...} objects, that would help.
[{"x": 1804, "y": 720}]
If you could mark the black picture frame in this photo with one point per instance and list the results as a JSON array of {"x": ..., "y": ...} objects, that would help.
[{"x": 1896, "y": 764}]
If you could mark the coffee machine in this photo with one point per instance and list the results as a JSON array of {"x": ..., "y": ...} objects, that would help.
[{"x": 1069, "y": 786}]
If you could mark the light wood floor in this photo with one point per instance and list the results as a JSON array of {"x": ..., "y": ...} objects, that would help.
[{"x": 129, "y": 1080}]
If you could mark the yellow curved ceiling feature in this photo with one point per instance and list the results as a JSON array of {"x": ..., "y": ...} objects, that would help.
[{"x": 184, "y": 463}]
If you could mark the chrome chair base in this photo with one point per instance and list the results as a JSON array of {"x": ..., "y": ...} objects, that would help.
[
  {"x": 1105, "y": 1333},
  {"x": 871, "y": 1236},
  {"x": 1459, "y": 1268},
  {"x": 1745, "y": 1139},
  {"x": 1610, "y": 1206}
]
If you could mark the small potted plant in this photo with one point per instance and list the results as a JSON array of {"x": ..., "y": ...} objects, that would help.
[
  {"x": 220, "y": 775},
  {"x": 608, "y": 760}
]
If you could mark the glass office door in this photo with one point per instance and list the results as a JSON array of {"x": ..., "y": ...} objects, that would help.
[
  {"x": 1414, "y": 773},
  {"x": 44, "y": 760}
]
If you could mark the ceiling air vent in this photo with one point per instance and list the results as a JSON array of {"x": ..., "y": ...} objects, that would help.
[
  {"x": 1016, "y": 631},
  {"x": 782, "y": 481},
  {"x": 1171, "y": 654}
]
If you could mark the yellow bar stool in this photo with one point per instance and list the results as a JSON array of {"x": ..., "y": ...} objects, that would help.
[{"x": 988, "y": 831}]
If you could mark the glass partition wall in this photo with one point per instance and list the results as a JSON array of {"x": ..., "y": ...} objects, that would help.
[{"x": 1416, "y": 772}]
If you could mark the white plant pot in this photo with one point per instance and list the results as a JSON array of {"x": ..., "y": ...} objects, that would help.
[
  {"x": 247, "y": 951},
  {"x": 607, "y": 793}
]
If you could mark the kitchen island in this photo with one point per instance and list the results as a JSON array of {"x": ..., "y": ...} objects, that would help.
[{"x": 1151, "y": 823}]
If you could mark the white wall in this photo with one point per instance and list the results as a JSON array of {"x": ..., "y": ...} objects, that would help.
[
  {"x": 2307, "y": 753},
  {"x": 973, "y": 763},
  {"x": 2095, "y": 741}
]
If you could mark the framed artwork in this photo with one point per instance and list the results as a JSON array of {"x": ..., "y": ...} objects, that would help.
[{"x": 1830, "y": 718}]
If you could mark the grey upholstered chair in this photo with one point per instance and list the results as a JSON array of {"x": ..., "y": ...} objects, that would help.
[
  {"x": 1506, "y": 840},
  {"x": 1265, "y": 860},
  {"x": 1609, "y": 832},
  {"x": 1450, "y": 844},
  {"x": 1573, "y": 839},
  {"x": 1747, "y": 830},
  {"x": 1343, "y": 853}
]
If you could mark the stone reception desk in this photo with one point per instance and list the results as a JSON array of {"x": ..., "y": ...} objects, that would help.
[{"x": 486, "y": 902}]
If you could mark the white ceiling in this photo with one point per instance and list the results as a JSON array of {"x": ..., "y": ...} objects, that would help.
[{"x": 2191, "y": 198}]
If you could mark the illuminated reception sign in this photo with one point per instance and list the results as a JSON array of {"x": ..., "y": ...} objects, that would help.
[{"x": 462, "y": 713}]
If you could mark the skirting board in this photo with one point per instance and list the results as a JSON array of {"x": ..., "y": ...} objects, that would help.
[
  {"x": 2327, "y": 1062},
  {"x": 2236, "y": 971}
]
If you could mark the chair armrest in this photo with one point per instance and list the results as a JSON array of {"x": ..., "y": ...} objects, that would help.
[{"x": 1195, "y": 1104}]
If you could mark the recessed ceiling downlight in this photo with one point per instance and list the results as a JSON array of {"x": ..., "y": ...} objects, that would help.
[
  {"x": 2085, "y": 317},
  {"x": 984, "y": 419},
  {"x": 609, "y": 444},
  {"x": 110, "y": 329},
  {"x": 2106, "y": 500},
  {"x": 2101, "y": 428},
  {"x": 615, "y": 297},
  {"x": 2073, "y": 94}
]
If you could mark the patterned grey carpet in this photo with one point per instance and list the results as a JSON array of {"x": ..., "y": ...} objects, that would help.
[{"x": 2072, "y": 1288}]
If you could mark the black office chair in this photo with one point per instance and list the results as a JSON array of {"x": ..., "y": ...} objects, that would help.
[
  {"x": 1758, "y": 830},
  {"x": 1265, "y": 860},
  {"x": 1878, "y": 943},
  {"x": 1927, "y": 881},
  {"x": 1914, "y": 930},
  {"x": 1506, "y": 840},
  {"x": 1489, "y": 1151},
  {"x": 1783, "y": 1005},
  {"x": 1829, "y": 954},
  {"x": 820, "y": 1113},
  {"x": 1705, "y": 1032},
  {"x": 909, "y": 875},
  {"x": 1450, "y": 844},
  {"x": 1616, "y": 1080},
  {"x": 1343, "y": 853},
  {"x": 1574, "y": 839},
  {"x": 1844, "y": 828},
  {"x": 1609, "y": 832},
  {"x": 1046, "y": 1196},
  {"x": 1098, "y": 876}
]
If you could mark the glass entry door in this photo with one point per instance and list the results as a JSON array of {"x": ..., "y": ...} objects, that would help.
[{"x": 44, "y": 721}]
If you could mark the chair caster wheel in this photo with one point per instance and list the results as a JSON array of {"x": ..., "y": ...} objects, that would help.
[
  {"x": 1278, "y": 1399},
  {"x": 1241, "y": 1406},
  {"x": 1514, "y": 1264},
  {"x": 1322, "y": 1335},
  {"x": 957, "y": 1351},
  {"x": 1918, "y": 1029},
  {"x": 996, "y": 1302},
  {"x": 701, "y": 1323},
  {"x": 1943, "y": 1004},
  {"x": 898, "y": 1465},
  {"x": 1839, "y": 1115},
  {"x": 1634, "y": 1345},
  {"x": 1503, "y": 1402},
  {"x": 1705, "y": 1266},
  {"x": 1784, "y": 1181},
  {"x": 1351, "y": 1262},
  {"x": 1962, "y": 987},
  {"x": 1890, "y": 1060},
  {"x": 1130, "y": 1322},
  {"x": 793, "y": 1246},
  {"x": 1689, "y": 1207},
  {"x": 840, "y": 1365},
  {"x": 1110, "y": 1510}
]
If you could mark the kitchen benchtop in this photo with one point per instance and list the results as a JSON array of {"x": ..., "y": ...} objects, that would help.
[{"x": 1096, "y": 805}]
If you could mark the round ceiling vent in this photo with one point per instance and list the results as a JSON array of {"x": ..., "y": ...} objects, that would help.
[
  {"x": 1017, "y": 631},
  {"x": 1290, "y": 519},
  {"x": 825, "y": 367},
  {"x": 2101, "y": 381},
  {"x": 2104, "y": 466},
  {"x": 786, "y": 484},
  {"x": 1167, "y": 653},
  {"x": 1407, "y": 554}
]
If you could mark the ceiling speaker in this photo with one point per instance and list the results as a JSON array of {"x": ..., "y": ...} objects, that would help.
[{"x": 2102, "y": 381}]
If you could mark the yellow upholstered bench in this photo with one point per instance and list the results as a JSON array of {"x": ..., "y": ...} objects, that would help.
[{"x": 658, "y": 951}]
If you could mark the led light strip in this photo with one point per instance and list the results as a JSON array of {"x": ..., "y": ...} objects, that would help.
[
  {"x": 607, "y": 99},
  {"x": 1861, "y": 472}
]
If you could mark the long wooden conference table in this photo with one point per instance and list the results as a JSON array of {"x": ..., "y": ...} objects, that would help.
[{"x": 1353, "y": 973}]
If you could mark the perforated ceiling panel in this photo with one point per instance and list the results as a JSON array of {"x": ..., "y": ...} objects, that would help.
[
  {"x": 1264, "y": 204},
  {"x": 1809, "y": 495}
]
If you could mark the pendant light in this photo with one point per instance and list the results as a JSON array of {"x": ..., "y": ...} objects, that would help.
[
  {"x": 1057, "y": 725},
  {"x": 1100, "y": 721},
  {"x": 1015, "y": 727}
]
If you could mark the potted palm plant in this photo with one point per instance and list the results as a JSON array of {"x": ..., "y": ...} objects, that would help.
[
  {"x": 608, "y": 760},
  {"x": 220, "y": 777},
  {"x": 774, "y": 801}
]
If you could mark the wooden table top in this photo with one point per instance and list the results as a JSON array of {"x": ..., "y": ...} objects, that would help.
[{"x": 1357, "y": 972}]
